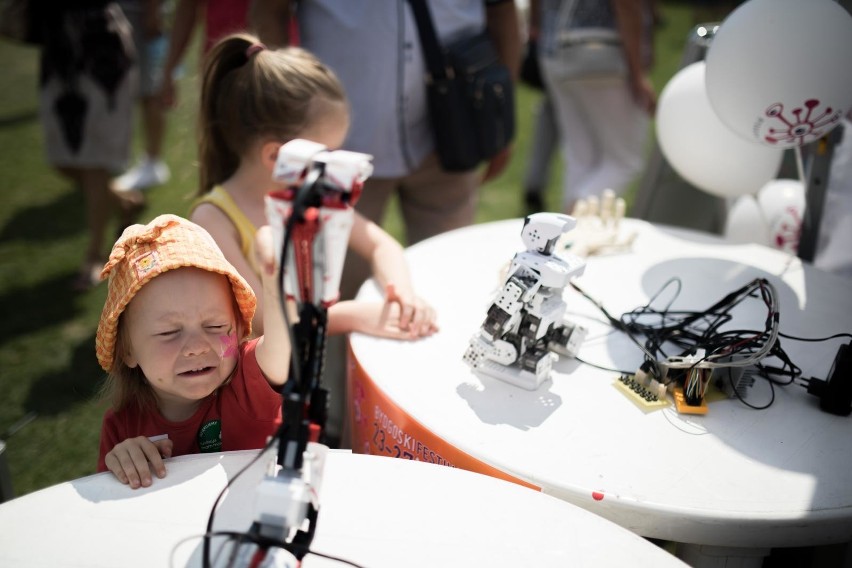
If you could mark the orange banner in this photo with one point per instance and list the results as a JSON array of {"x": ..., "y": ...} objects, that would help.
[{"x": 381, "y": 428}]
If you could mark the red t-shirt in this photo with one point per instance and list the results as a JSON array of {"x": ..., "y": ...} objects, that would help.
[{"x": 238, "y": 416}]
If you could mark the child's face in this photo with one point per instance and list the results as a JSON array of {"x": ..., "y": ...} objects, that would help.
[{"x": 183, "y": 334}]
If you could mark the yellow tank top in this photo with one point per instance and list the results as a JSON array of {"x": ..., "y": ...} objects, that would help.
[{"x": 245, "y": 228}]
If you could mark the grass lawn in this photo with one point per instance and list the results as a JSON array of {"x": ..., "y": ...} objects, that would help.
[{"x": 49, "y": 377}]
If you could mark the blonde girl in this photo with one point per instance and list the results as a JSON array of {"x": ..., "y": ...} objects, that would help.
[{"x": 253, "y": 100}]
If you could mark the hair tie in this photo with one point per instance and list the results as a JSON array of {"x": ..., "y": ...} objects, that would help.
[{"x": 254, "y": 48}]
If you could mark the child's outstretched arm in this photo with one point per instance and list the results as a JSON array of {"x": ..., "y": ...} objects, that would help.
[
  {"x": 390, "y": 269},
  {"x": 273, "y": 348},
  {"x": 376, "y": 318}
]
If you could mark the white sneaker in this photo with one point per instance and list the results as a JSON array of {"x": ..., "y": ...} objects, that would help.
[{"x": 147, "y": 173}]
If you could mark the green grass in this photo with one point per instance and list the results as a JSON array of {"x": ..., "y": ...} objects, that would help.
[{"x": 47, "y": 362}]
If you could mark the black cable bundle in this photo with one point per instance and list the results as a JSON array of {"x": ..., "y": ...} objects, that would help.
[{"x": 678, "y": 343}]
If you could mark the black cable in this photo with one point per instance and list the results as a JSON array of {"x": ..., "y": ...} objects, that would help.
[
  {"x": 742, "y": 400},
  {"x": 601, "y": 367},
  {"x": 691, "y": 331},
  {"x": 205, "y": 557},
  {"x": 816, "y": 339},
  {"x": 267, "y": 542}
]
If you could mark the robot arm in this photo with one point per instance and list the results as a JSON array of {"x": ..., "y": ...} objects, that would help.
[
  {"x": 321, "y": 187},
  {"x": 314, "y": 213},
  {"x": 506, "y": 309},
  {"x": 344, "y": 172}
]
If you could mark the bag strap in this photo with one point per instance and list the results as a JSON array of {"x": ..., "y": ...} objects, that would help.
[{"x": 432, "y": 52}]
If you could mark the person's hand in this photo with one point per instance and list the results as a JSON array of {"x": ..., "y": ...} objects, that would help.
[
  {"x": 643, "y": 93},
  {"x": 265, "y": 253},
  {"x": 413, "y": 315},
  {"x": 132, "y": 460},
  {"x": 497, "y": 164},
  {"x": 383, "y": 320}
]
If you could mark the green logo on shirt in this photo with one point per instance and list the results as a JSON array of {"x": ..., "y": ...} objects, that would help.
[{"x": 210, "y": 437}]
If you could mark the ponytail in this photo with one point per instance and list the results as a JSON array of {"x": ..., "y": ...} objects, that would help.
[{"x": 249, "y": 93}]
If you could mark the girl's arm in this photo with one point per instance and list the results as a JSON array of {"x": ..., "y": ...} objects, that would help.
[
  {"x": 375, "y": 318},
  {"x": 390, "y": 269},
  {"x": 273, "y": 348}
]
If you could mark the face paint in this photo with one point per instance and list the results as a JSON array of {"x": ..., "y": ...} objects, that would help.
[{"x": 228, "y": 345}]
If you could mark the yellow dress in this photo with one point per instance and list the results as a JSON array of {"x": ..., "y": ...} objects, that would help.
[{"x": 245, "y": 228}]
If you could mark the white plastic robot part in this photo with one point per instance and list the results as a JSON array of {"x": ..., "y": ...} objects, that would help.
[
  {"x": 344, "y": 168},
  {"x": 294, "y": 157},
  {"x": 593, "y": 205},
  {"x": 541, "y": 228},
  {"x": 477, "y": 348},
  {"x": 607, "y": 205},
  {"x": 508, "y": 301},
  {"x": 503, "y": 352}
]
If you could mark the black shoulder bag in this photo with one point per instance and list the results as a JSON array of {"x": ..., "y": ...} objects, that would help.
[{"x": 469, "y": 93}]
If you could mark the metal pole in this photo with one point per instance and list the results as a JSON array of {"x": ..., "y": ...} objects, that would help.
[
  {"x": 663, "y": 196},
  {"x": 818, "y": 157}
]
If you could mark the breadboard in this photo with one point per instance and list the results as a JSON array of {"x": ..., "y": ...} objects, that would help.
[{"x": 639, "y": 395}]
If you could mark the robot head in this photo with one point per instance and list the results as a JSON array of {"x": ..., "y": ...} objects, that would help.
[
  {"x": 542, "y": 230},
  {"x": 344, "y": 170}
]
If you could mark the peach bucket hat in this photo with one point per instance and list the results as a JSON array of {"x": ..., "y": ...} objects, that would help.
[{"x": 146, "y": 251}]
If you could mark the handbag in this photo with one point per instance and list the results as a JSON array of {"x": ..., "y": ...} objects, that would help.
[
  {"x": 16, "y": 21},
  {"x": 469, "y": 93},
  {"x": 586, "y": 53}
]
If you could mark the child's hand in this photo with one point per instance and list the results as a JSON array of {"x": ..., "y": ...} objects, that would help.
[
  {"x": 266, "y": 256},
  {"x": 129, "y": 460},
  {"x": 382, "y": 320},
  {"x": 415, "y": 315},
  {"x": 273, "y": 347}
]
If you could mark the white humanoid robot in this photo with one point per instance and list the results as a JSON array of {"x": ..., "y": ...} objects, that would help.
[{"x": 526, "y": 327}]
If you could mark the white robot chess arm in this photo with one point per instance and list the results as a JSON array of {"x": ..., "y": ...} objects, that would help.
[
  {"x": 525, "y": 325},
  {"x": 310, "y": 216},
  {"x": 312, "y": 270}
]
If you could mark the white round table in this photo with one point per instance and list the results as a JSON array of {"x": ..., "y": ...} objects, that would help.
[
  {"x": 374, "y": 511},
  {"x": 737, "y": 479}
]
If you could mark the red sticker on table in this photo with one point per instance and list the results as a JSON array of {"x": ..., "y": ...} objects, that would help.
[{"x": 597, "y": 495}]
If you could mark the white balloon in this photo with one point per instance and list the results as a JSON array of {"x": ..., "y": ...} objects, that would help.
[
  {"x": 778, "y": 70},
  {"x": 782, "y": 203},
  {"x": 745, "y": 223},
  {"x": 700, "y": 148}
]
